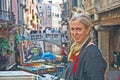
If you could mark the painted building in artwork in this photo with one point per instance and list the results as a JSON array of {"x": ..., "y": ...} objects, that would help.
[{"x": 7, "y": 32}]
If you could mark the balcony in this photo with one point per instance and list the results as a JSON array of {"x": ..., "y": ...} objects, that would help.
[
  {"x": 100, "y": 6},
  {"x": 106, "y": 5},
  {"x": 6, "y": 16},
  {"x": 90, "y": 6}
]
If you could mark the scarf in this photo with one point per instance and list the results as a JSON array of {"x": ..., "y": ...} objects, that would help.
[{"x": 75, "y": 48}]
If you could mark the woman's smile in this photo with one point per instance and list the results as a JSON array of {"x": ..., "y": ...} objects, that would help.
[{"x": 79, "y": 31}]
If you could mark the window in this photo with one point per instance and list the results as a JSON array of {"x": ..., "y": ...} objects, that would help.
[
  {"x": 75, "y": 2},
  {"x": 0, "y": 4},
  {"x": 49, "y": 13},
  {"x": 32, "y": 1},
  {"x": 40, "y": 7},
  {"x": 40, "y": 13},
  {"x": 48, "y": 7},
  {"x": 57, "y": 15},
  {"x": 52, "y": 14},
  {"x": 38, "y": 0}
]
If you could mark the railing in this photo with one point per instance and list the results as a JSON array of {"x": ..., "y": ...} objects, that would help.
[
  {"x": 55, "y": 38},
  {"x": 7, "y": 16},
  {"x": 45, "y": 36}
]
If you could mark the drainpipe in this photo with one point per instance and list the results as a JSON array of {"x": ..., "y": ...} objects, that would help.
[{"x": 18, "y": 10}]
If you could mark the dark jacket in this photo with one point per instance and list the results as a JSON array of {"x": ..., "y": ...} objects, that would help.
[{"x": 91, "y": 66}]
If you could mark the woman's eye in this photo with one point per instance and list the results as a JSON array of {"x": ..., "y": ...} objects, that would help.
[
  {"x": 72, "y": 29},
  {"x": 78, "y": 29},
  {"x": 75, "y": 29}
]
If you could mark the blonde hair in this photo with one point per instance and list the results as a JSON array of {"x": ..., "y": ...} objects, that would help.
[{"x": 82, "y": 16}]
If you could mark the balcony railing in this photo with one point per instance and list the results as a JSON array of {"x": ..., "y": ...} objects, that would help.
[
  {"x": 52, "y": 38},
  {"x": 7, "y": 16},
  {"x": 55, "y": 38}
]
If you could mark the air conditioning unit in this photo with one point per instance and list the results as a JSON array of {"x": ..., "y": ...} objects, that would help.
[{"x": 16, "y": 75}]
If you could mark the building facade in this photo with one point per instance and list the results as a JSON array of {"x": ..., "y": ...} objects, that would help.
[
  {"x": 7, "y": 32},
  {"x": 45, "y": 16},
  {"x": 106, "y": 17},
  {"x": 56, "y": 16}
]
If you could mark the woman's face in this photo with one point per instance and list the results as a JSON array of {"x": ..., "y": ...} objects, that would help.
[{"x": 79, "y": 31}]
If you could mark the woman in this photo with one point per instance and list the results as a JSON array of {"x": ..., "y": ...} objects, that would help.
[{"x": 85, "y": 61}]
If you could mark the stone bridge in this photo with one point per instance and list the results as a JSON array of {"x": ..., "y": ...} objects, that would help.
[{"x": 55, "y": 38}]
